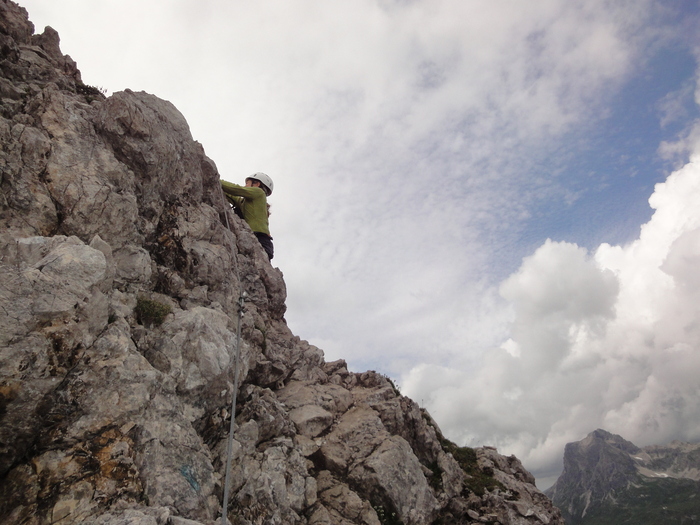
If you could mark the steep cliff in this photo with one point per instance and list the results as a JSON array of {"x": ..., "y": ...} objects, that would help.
[
  {"x": 119, "y": 289},
  {"x": 608, "y": 480}
]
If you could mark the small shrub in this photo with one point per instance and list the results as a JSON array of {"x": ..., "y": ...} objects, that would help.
[
  {"x": 90, "y": 92},
  {"x": 150, "y": 312},
  {"x": 386, "y": 517}
]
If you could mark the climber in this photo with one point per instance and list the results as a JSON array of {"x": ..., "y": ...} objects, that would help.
[{"x": 250, "y": 202}]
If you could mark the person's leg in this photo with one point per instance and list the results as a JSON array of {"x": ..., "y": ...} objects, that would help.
[{"x": 266, "y": 243}]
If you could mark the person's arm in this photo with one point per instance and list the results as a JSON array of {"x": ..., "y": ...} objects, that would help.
[{"x": 235, "y": 190}]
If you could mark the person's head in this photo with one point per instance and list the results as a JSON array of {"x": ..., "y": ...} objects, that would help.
[{"x": 260, "y": 180}]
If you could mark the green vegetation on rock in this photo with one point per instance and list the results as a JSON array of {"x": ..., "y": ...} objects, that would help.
[
  {"x": 479, "y": 479},
  {"x": 654, "y": 501},
  {"x": 151, "y": 313}
]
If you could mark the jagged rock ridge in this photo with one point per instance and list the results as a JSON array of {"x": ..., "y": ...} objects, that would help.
[
  {"x": 119, "y": 283},
  {"x": 607, "y": 479}
]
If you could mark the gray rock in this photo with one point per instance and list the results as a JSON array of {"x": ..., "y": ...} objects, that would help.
[
  {"x": 311, "y": 420},
  {"x": 393, "y": 470},
  {"x": 177, "y": 520}
]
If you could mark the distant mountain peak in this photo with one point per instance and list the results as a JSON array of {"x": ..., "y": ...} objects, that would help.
[
  {"x": 613, "y": 440},
  {"x": 606, "y": 475}
]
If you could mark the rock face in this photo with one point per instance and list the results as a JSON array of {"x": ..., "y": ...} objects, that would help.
[
  {"x": 119, "y": 289},
  {"x": 609, "y": 480}
]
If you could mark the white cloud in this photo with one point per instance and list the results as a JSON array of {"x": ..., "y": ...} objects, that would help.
[
  {"x": 673, "y": 106},
  {"x": 609, "y": 340}
]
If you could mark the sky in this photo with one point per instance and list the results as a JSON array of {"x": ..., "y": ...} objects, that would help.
[{"x": 492, "y": 203}]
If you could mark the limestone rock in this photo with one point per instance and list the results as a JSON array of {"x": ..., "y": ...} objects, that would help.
[{"x": 121, "y": 270}]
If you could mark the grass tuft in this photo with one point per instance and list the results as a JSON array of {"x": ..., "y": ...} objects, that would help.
[{"x": 151, "y": 313}]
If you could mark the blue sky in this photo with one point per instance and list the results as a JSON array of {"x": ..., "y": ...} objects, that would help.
[
  {"x": 616, "y": 163},
  {"x": 612, "y": 163},
  {"x": 462, "y": 191}
]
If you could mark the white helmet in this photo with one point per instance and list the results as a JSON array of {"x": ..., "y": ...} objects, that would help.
[{"x": 265, "y": 180}]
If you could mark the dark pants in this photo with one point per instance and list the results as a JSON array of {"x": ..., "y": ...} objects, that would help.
[{"x": 266, "y": 243}]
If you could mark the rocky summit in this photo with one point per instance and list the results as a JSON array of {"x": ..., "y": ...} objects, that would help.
[
  {"x": 121, "y": 270},
  {"x": 608, "y": 481}
]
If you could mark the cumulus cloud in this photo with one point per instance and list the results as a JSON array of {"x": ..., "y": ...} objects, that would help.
[
  {"x": 437, "y": 135},
  {"x": 608, "y": 339}
]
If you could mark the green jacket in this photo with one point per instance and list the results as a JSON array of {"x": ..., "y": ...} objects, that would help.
[{"x": 252, "y": 202}]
